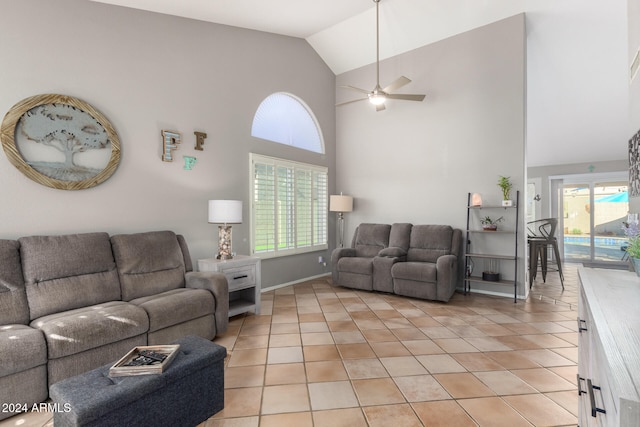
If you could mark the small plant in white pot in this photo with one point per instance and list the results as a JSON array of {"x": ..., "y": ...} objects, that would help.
[
  {"x": 505, "y": 184},
  {"x": 489, "y": 224}
]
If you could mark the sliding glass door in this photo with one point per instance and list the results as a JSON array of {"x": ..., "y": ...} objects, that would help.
[{"x": 593, "y": 213}]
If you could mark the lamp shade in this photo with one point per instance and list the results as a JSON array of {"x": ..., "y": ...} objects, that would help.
[
  {"x": 340, "y": 203},
  {"x": 225, "y": 211}
]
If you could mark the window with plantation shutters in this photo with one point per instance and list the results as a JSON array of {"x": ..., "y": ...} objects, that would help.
[{"x": 288, "y": 207}]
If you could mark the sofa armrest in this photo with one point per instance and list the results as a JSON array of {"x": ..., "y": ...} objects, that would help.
[
  {"x": 382, "y": 279},
  {"x": 447, "y": 267},
  {"x": 217, "y": 284},
  {"x": 392, "y": 252},
  {"x": 335, "y": 257}
]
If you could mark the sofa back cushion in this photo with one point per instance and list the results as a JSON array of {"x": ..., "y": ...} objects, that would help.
[
  {"x": 429, "y": 242},
  {"x": 66, "y": 272},
  {"x": 400, "y": 235},
  {"x": 148, "y": 263},
  {"x": 369, "y": 239},
  {"x": 13, "y": 297}
]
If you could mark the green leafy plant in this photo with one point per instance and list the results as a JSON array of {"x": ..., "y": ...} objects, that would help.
[
  {"x": 488, "y": 221},
  {"x": 633, "y": 248},
  {"x": 505, "y": 184}
]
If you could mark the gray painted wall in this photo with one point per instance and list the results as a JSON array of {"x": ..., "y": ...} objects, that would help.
[
  {"x": 147, "y": 72},
  {"x": 416, "y": 162}
]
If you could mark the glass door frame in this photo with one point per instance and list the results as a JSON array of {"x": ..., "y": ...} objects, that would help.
[{"x": 591, "y": 180}]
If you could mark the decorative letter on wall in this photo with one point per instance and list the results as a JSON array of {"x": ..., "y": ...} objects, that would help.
[
  {"x": 170, "y": 141},
  {"x": 189, "y": 162},
  {"x": 200, "y": 136},
  {"x": 49, "y": 137}
]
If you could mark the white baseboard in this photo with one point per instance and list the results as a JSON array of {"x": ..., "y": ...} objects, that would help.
[{"x": 284, "y": 285}]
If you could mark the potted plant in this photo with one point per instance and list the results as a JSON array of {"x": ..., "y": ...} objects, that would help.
[
  {"x": 633, "y": 246},
  {"x": 489, "y": 224},
  {"x": 505, "y": 184}
]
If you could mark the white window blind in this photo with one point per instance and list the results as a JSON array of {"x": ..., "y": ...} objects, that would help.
[{"x": 289, "y": 202}]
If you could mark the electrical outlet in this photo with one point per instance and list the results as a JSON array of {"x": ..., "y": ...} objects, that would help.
[{"x": 320, "y": 259}]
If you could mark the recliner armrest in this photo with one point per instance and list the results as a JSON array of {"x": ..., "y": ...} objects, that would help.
[
  {"x": 447, "y": 266},
  {"x": 335, "y": 257},
  {"x": 392, "y": 252},
  {"x": 217, "y": 284}
]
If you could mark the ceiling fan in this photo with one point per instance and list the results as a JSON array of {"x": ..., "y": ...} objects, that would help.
[{"x": 379, "y": 95}]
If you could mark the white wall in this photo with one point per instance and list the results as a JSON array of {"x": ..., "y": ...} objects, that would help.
[
  {"x": 416, "y": 162},
  {"x": 634, "y": 86},
  {"x": 577, "y": 81},
  {"x": 148, "y": 72}
]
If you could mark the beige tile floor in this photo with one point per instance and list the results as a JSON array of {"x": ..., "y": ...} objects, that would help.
[{"x": 322, "y": 355}]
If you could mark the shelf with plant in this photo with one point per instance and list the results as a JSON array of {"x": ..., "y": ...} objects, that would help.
[{"x": 489, "y": 224}]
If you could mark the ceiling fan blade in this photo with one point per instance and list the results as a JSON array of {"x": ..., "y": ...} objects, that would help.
[
  {"x": 396, "y": 84},
  {"x": 357, "y": 89},
  {"x": 406, "y": 97},
  {"x": 350, "y": 102},
  {"x": 380, "y": 107}
]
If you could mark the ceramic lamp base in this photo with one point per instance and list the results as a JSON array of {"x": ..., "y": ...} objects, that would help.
[{"x": 224, "y": 242}]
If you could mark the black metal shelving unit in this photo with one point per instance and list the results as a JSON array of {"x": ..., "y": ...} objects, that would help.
[{"x": 479, "y": 233}]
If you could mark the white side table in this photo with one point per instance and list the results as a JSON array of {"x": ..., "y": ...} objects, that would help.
[{"x": 244, "y": 277}]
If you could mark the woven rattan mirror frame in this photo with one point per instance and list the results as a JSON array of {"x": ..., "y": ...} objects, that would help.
[{"x": 8, "y": 138}]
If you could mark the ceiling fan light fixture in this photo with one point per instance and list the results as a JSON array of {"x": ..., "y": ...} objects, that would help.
[{"x": 377, "y": 98}]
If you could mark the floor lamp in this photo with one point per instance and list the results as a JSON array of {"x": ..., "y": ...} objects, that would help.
[
  {"x": 225, "y": 212},
  {"x": 341, "y": 204}
]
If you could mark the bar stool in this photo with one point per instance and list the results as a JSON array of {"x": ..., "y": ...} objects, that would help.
[{"x": 541, "y": 237}]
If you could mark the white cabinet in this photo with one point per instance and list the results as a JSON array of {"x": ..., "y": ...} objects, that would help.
[
  {"x": 609, "y": 348},
  {"x": 244, "y": 277}
]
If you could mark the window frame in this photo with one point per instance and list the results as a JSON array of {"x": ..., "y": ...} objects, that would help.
[
  {"x": 318, "y": 204},
  {"x": 270, "y": 112}
]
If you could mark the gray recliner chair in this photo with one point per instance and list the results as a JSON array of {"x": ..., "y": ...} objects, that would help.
[
  {"x": 353, "y": 267},
  {"x": 375, "y": 248},
  {"x": 431, "y": 267}
]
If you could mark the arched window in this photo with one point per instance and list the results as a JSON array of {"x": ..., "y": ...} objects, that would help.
[{"x": 286, "y": 119}]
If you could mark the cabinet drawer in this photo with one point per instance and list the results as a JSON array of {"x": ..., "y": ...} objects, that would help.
[{"x": 240, "y": 277}]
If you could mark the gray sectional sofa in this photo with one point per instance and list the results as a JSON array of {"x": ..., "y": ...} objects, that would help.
[
  {"x": 419, "y": 261},
  {"x": 72, "y": 303}
]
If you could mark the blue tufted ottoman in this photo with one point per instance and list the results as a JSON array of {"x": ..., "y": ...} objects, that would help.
[{"x": 189, "y": 392}]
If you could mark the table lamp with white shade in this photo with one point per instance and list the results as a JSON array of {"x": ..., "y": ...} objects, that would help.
[{"x": 225, "y": 212}]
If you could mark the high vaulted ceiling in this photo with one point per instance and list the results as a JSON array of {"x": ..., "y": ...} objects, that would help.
[
  {"x": 577, "y": 64},
  {"x": 343, "y": 31}
]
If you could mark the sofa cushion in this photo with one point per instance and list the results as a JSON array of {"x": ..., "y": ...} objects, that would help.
[
  {"x": 13, "y": 304},
  {"x": 400, "y": 235},
  {"x": 429, "y": 242},
  {"x": 148, "y": 263},
  {"x": 82, "y": 329},
  {"x": 175, "y": 307},
  {"x": 13, "y": 297},
  {"x": 21, "y": 348},
  {"x": 416, "y": 271},
  {"x": 66, "y": 272},
  {"x": 369, "y": 239},
  {"x": 356, "y": 265},
  {"x": 10, "y": 268}
]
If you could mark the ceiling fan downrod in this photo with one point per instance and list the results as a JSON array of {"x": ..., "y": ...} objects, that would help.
[{"x": 379, "y": 95}]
